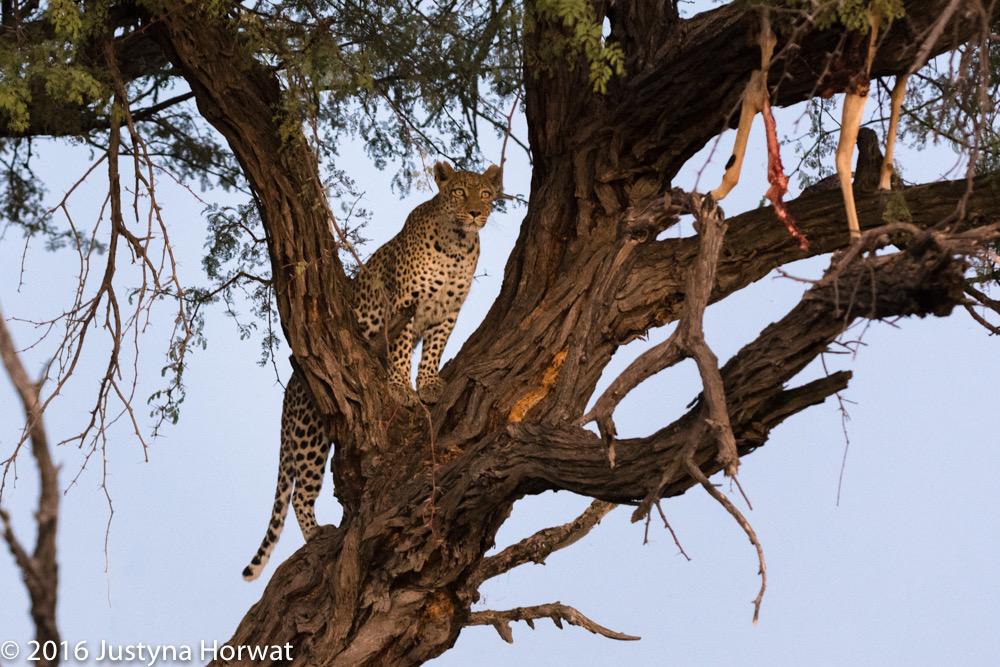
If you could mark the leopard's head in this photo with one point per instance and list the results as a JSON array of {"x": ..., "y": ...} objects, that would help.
[{"x": 466, "y": 195}]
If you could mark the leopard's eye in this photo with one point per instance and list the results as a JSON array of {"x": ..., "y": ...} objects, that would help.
[
  {"x": 487, "y": 194},
  {"x": 458, "y": 192}
]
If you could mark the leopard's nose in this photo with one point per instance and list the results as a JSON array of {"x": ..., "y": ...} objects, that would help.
[{"x": 474, "y": 214}]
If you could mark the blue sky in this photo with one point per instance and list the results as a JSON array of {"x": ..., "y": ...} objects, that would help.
[{"x": 903, "y": 571}]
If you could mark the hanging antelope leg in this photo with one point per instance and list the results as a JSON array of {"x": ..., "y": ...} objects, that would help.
[
  {"x": 753, "y": 102},
  {"x": 754, "y": 98},
  {"x": 897, "y": 95},
  {"x": 854, "y": 109}
]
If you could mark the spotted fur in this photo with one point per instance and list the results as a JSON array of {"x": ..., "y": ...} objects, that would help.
[{"x": 429, "y": 266}]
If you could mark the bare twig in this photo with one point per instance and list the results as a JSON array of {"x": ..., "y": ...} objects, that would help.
[
  {"x": 742, "y": 493},
  {"x": 982, "y": 320},
  {"x": 672, "y": 533},
  {"x": 698, "y": 475},
  {"x": 84, "y": 313},
  {"x": 557, "y": 611},
  {"x": 507, "y": 134},
  {"x": 986, "y": 302},
  {"x": 844, "y": 418}
]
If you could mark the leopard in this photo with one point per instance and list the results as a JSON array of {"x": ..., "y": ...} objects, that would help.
[{"x": 426, "y": 269}]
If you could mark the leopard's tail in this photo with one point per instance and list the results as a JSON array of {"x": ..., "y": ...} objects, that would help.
[{"x": 282, "y": 495}]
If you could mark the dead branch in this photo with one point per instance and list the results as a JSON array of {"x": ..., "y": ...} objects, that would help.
[
  {"x": 557, "y": 611},
  {"x": 986, "y": 302},
  {"x": 933, "y": 37},
  {"x": 39, "y": 569},
  {"x": 698, "y": 475},
  {"x": 927, "y": 278},
  {"x": 993, "y": 329},
  {"x": 711, "y": 228},
  {"x": 537, "y": 547},
  {"x": 84, "y": 313}
]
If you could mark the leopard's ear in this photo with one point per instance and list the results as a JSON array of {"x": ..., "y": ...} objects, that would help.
[
  {"x": 495, "y": 174},
  {"x": 442, "y": 172}
]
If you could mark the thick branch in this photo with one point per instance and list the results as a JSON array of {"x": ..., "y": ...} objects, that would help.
[
  {"x": 556, "y": 611},
  {"x": 703, "y": 98},
  {"x": 759, "y": 243}
]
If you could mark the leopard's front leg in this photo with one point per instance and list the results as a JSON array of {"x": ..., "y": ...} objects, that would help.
[
  {"x": 400, "y": 353},
  {"x": 429, "y": 385}
]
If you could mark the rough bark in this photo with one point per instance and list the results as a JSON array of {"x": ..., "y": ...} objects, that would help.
[{"x": 424, "y": 492}]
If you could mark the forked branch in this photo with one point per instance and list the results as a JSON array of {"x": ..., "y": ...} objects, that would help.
[
  {"x": 755, "y": 245},
  {"x": 687, "y": 341}
]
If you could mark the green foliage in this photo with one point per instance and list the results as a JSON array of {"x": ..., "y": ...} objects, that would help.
[
  {"x": 403, "y": 81},
  {"x": 47, "y": 67},
  {"x": 21, "y": 193},
  {"x": 166, "y": 402},
  {"x": 43, "y": 60},
  {"x": 575, "y": 36},
  {"x": 956, "y": 102},
  {"x": 407, "y": 81},
  {"x": 190, "y": 151},
  {"x": 14, "y": 92},
  {"x": 853, "y": 14},
  {"x": 53, "y": 80},
  {"x": 814, "y": 161},
  {"x": 237, "y": 261},
  {"x": 66, "y": 19}
]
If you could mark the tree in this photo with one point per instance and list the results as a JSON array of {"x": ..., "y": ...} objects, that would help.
[{"x": 611, "y": 121}]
